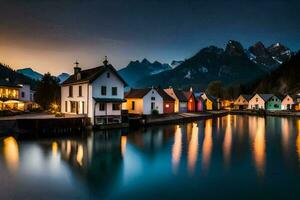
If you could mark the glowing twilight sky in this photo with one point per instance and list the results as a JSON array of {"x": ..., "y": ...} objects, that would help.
[{"x": 49, "y": 35}]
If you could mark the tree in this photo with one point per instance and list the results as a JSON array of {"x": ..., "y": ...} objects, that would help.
[
  {"x": 48, "y": 91},
  {"x": 214, "y": 88}
]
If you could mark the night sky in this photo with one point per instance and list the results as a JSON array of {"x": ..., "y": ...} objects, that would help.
[{"x": 50, "y": 35}]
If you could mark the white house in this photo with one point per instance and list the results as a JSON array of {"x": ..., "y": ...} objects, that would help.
[
  {"x": 143, "y": 101},
  {"x": 97, "y": 93},
  {"x": 265, "y": 102},
  {"x": 287, "y": 102}
]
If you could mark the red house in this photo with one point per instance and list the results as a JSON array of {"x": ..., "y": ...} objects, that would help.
[
  {"x": 191, "y": 106},
  {"x": 168, "y": 101}
]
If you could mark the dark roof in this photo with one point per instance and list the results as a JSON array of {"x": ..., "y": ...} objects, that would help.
[
  {"x": 137, "y": 93},
  {"x": 164, "y": 95},
  {"x": 109, "y": 100},
  {"x": 89, "y": 75},
  {"x": 212, "y": 98},
  {"x": 247, "y": 96},
  {"x": 266, "y": 97},
  {"x": 180, "y": 95},
  {"x": 188, "y": 94},
  {"x": 5, "y": 83}
]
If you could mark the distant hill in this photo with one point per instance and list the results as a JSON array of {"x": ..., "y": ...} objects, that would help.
[
  {"x": 136, "y": 70},
  {"x": 62, "y": 77},
  {"x": 232, "y": 65},
  {"x": 7, "y": 73},
  {"x": 285, "y": 79},
  {"x": 30, "y": 73}
]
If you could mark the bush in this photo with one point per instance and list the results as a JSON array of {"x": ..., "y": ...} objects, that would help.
[
  {"x": 59, "y": 114},
  {"x": 154, "y": 112}
]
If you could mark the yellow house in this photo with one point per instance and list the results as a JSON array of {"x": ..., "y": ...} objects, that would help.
[
  {"x": 9, "y": 97},
  {"x": 209, "y": 104}
]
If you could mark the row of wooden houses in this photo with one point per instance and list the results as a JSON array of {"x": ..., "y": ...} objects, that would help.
[
  {"x": 267, "y": 102},
  {"x": 169, "y": 100}
]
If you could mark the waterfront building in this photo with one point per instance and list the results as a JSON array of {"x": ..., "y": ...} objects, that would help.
[
  {"x": 265, "y": 102},
  {"x": 242, "y": 102},
  {"x": 210, "y": 102},
  {"x": 288, "y": 102},
  {"x": 180, "y": 99},
  {"x": 145, "y": 101},
  {"x": 200, "y": 102},
  {"x": 16, "y": 97},
  {"x": 191, "y": 105},
  {"x": 97, "y": 93}
]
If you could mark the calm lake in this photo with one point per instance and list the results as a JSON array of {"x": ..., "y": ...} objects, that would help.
[{"x": 240, "y": 157}]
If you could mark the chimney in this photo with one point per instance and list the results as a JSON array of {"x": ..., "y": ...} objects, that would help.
[
  {"x": 105, "y": 62},
  {"x": 76, "y": 68}
]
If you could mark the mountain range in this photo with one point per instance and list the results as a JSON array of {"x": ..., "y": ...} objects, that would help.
[
  {"x": 137, "y": 70},
  {"x": 232, "y": 65},
  {"x": 30, "y": 73}
]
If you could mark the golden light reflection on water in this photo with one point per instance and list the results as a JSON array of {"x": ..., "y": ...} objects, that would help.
[
  {"x": 176, "y": 149},
  {"x": 207, "y": 144},
  {"x": 79, "y": 155},
  {"x": 227, "y": 141},
  {"x": 123, "y": 144},
  {"x": 54, "y": 148},
  {"x": 298, "y": 139},
  {"x": 258, "y": 136},
  {"x": 285, "y": 134},
  {"x": 193, "y": 149},
  {"x": 11, "y": 153}
]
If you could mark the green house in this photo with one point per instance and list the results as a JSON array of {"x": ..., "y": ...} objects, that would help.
[{"x": 273, "y": 103}]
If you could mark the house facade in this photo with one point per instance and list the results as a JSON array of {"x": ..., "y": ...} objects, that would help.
[
  {"x": 287, "y": 102},
  {"x": 144, "y": 101},
  {"x": 242, "y": 102},
  {"x": 210, "y": 102},
  {"x": 16, "y": 97},
  {"x": 191, "y": 104},
  {"x": 265, "y": 102},
  {"x": 180, "y": 99},
  {"x": 168, "y": 101},
  {"x": 97, "y": 93}
]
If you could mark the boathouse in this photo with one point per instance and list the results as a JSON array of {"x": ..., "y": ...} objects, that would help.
[
  {"x": 97, "y": 93},
  {"x": 288, "y": 102},
  {"x": 143, "y": 101},
  {"x": 180, "y": 99},
  {"x": 242, "y": 102},
  {"x": 191, "y": 104}
]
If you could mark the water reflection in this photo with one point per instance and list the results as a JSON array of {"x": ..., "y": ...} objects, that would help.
[
  {"x": 109, "y": 164},
  {"x": 11, "y": 153},
  {"x": 227, "y": 140},
  {"x": 177, "y": 148},
  {"x": 257, "y": 132},
  {"x": 207, "y": 145},
  {"x": 193, "y": 149}
]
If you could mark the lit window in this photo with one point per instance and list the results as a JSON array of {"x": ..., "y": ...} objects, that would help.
[{"x": 167, "y": 105}]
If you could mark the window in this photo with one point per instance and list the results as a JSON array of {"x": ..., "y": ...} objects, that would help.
[
  {"x": 167, "y": 105},
  {"x": 73, "y": 107},
  {"x": 116, "y": 106},
  {"x": 132, "y": 105},
  {"x": 153, "y": 98},
  {"x": 80, "y": 91},
  {"x": 256, "y": 99},
  {"x": 101, "y": 106},
  {"x": 82, "y": 107},
  {"x": 114, "y": 91},
  {"x": 66, "y": 106},
  {"x": 70, "y": 91},
  {"x": 22, "y": 94},
  {"x": 152, "y": 105},
  {"x": 103, "y": 90},
  {"x": 108, "y": 75}
]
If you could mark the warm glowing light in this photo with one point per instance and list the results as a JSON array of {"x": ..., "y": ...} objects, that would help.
[
  {"x": 259, "y": 144},
  {"x": 11, "y": 153},
  {"x": 176, "y": 149},
  {"x": 123, "y": 144},
  {"x": 193, "y": 149},
  {"x": 79, "y": 156},
  {"x": 227, "y": 141},
  {"x": 285, "y": 133},
  {"x": 207, "y": 144},
  {"x": 298, "y": 139},
  {"x": 54, "y": 148},
  {"x": 167, "y": 105}
]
